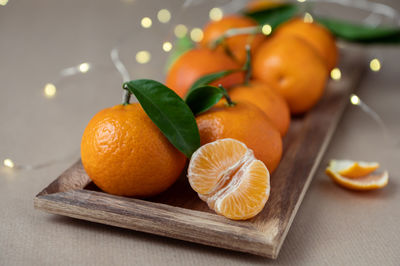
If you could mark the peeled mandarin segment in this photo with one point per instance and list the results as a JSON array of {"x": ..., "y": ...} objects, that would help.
[
  {"x": 214, "y": 161},
  {"x": 353, "y": 169},
  {"x": 368, "y": 182},
  {"x": 246, "y": 197}
]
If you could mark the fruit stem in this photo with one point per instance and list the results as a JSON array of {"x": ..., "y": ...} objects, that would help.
[
  {"x": 234, "y": 32},
  {"x": 126, "y": 96},
  {"x": 227, "y": 97},
  {"x": 247, "y": 65}
]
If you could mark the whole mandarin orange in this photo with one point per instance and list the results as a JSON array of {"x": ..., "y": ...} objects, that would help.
[
  {"x": 235, "y": 44},
  {"x": 124, "y": 153},
  {"x": 292, "y": 67},
  {"x": 198, "y": 62},
  {"x": 315, "y": 34},
  {"x": 267, "y": 99},
  {"x": 244, "y": 122}
]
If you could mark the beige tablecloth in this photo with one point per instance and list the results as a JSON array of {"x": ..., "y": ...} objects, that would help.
[{"x": 39, "y": 38}]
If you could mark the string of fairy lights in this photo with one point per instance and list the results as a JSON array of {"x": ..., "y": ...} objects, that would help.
[{"x": 180, "y": 30}]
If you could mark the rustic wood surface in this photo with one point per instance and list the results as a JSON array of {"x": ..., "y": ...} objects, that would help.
[{"x": 179, "y": 213}]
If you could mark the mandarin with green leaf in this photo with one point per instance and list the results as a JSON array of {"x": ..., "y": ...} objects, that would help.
[
  {"x": 198, "y": 62},
  {"x": 126, "y": 154}
]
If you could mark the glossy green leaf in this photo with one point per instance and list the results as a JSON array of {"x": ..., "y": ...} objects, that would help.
[
  {"x": 207, "y": 79},
  {"x": 274, "y": 16},
  {"x": 203, "y": 98},
  {"x": 169, "y": 112},
  {"x": 361, "y": 33},
  {"x": 180, "y": 46}
]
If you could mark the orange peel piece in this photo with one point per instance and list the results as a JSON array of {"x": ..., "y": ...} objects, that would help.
[
  {"x": 353, "y": 169},
  {"x": 363, "y": 177}
]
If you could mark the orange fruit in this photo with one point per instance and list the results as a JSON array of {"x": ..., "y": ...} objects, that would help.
[
  {"x": 229, "y": 178},
  {"x": 257, "y": 5},
  {"x": 267, "y": 99},
  {"x": 369, "y": 181},
  {"x": 124, "y": 153},
  {"x": 354, "y": 169},
  {"x": 292, "y": 67},
  {"x": 319, "y": 37},
  {"x": 235, "y": 44},
  {"x": 244, "y": 122},
  {"x": 198, "y": 62}
]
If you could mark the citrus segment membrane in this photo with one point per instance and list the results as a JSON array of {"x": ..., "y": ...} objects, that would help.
[
  {"x": 214, "y": 162},
  {"x": 248, "y": 194},
  {"x": 227, "y": 176}
]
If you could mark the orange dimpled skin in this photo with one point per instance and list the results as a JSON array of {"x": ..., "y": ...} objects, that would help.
[
  {"x": 246, "y": 123},
  {"x": 124, "y": 153},
  {"x": 319, "y": 37},
  {"x": 236, "y": 44},
  {"x": 267, "y": 99},
  {"x": 196, "y": 63},
  {"x": 292, "y": 67}
]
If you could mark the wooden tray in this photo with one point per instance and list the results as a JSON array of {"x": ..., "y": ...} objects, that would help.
[{"x": 179, "y": 213}]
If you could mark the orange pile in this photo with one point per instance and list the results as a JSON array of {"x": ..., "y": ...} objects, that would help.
[{"x": 124, "y": 152}]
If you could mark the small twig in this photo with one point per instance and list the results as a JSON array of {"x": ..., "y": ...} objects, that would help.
[{"x": 234, "y": 32}]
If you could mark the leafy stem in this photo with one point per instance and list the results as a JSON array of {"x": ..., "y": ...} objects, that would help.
[
  {"x": 234, "y": 32},
  {"x": 126, "y": 96},
  {"x": 247, "y": 65},
  {"x": 226, "y": 95}
]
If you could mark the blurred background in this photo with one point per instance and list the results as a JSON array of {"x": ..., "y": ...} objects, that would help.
[{"x": 56, "y": 69}]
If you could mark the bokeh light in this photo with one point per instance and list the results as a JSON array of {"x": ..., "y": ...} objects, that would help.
[
  {"x": 216, "y": 14},
  {"x": 375, "y": 65},
  {"x": 354, "y": 99},
  {"x": 336, "y": 74},
  {"x": 266, "y": 29},
  {"x": 164, "y": 15},
  {"x": 308, "y": 18},
  {"x": 180, "y": 30},
  {"x": 196, "y": 34},
  {"x": 167, "y": 46},
  {"x": 84, "y": 67},
  {"x": 143, "y": 57},
  {"x": 146, "y": 22},
  {"x": 49, "y": 90},
  {"x": 8, "y": 163},
  {"x": 301, "y": 1},
  {"x": 3, "y": 2}
]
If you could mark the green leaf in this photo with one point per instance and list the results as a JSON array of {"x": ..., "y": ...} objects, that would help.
[
  {"x": 169, "y": 112},
  {"x": 203, "y": 98},
  {"x": 181, "y": 46},
  {"x": 361, "y": 33},
  {"x": 274, "y": 16},
  {"x": 207, "y": 79}
]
